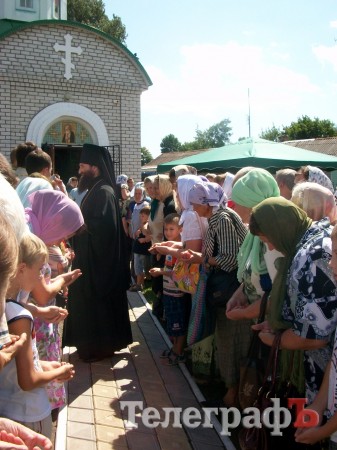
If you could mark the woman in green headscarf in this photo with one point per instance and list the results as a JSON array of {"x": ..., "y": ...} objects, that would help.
[
  {"x": 255, "y": 263},
  {"x": 302, "y": 300}
]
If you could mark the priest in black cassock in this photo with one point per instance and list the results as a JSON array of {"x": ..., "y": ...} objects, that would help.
[{"x": 98, "y": 322}]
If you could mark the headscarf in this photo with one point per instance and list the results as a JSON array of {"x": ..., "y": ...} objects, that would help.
[
  {"x": 184, "y": 184},
  {"x": 139, "y": 184},
  {"x": 122, "y": 179},
  {"x": 154, "y": 201},
  {"x": 100, "y": 157},
  {"x": 228, "y": 184},
  {"x": 208, "y": 193},
  {"x": 284, "y": 224},
  {"x": 53, "y": 216},
  {"x": 12, "y": 208},
  {"x": 316, "y": 175},
  {"x": 183, "y": 169},
  {"x": 255, "y": 186},
  {"x": 165, "y": 187},
  {"x": 141, "y": 188},
  {"x": 249, "y": 191},
  {"x": 316, "y": 200},
  {"x": 29, "y": 185}
]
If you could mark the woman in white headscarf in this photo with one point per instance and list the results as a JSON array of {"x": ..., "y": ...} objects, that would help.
[
  {"x": 225, "y": 180},
  {"x": 194, "y": 227},
  {"x": 315, "y": 175},
  {"x": 192, "y": 235}
]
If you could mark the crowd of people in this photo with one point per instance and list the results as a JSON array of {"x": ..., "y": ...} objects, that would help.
[
  {"x": 275, "y": 234},
  {"x": 249, "y": 234},
  {"x": 49, "y": 246}
]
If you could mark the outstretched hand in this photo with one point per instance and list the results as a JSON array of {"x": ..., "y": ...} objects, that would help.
[
  {"x": 53, "y": 314},
  {"x": 69, "y": 277},
  {"x": 266, "y": 334},
  {"x": 8, "y": 352},
  {"x": 237, "y": 300},
  {"x": 13, "y": 435},
  {"x": 156, "y": 272},
  {"x": 191, "y": 256}
]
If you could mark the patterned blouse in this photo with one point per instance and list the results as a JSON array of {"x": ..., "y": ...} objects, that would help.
[{"x": 311, "y": 303}]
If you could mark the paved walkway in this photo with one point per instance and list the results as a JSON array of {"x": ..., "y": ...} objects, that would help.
[{"x": 94, "y": 419}]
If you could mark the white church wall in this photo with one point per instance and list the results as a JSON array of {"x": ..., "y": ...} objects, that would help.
[{"x": 104, "y": 79}]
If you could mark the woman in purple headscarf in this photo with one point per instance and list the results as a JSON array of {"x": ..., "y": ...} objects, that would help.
[
  {"x": 223, "y": 239},
  {"x": 53, "y": 217}
]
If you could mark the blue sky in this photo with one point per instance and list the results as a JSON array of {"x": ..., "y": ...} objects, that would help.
[{"x": 202, "y": 56}]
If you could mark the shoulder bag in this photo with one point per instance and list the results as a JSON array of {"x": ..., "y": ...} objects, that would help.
[
  {"x": 186, "y": 276},
  {"x": 252, "y": 368},
  {"x": 259, "y": 438}
]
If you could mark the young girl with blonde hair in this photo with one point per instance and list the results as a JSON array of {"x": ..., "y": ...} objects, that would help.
[{"x": 23, "y": 396}]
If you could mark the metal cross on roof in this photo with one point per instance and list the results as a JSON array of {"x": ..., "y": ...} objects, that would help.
[{"x": 68, "y": 49}]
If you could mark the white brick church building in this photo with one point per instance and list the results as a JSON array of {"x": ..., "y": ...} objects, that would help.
[{"x": 64, "y": 83}]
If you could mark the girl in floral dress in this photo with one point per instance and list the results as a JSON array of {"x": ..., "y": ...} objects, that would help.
[{"x": 53, "y": 217}]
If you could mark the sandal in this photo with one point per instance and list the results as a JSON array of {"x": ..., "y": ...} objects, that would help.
[
  {"x": 166, "y": 353},
  {"x": 175, "y": 359}
]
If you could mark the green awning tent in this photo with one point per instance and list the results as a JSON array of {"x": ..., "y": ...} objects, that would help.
[{"x": 253, "y": 152}]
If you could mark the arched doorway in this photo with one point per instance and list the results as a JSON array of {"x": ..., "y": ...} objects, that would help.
[
  {"x": 63, "y": 140},
  {"x": 62, "y": 129},
  {"x": 65, "y": 159}
]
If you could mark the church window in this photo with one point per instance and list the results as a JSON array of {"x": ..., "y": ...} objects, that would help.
[
  {"x": 57, "y": 9},
  {"x": 26, "y": 4}
]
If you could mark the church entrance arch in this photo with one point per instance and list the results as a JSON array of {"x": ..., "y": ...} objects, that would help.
[{"x": 62, "y": 129}]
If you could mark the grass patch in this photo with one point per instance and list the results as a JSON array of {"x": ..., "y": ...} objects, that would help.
[{"x": 148, "y": 293}]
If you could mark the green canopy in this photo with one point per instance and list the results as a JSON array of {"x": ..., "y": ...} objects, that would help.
[{"x": 253, "y": 152}]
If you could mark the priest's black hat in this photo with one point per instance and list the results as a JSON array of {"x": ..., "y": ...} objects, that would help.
[{"x": 96, "y": 155}]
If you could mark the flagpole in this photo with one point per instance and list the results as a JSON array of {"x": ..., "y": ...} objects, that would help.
[{"x": 249, "y": 114}]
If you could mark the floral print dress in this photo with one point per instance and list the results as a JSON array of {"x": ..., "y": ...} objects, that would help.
[
  {"x": 48, "y": 343},
  {"x": 311, "y": 303},
  {"x": 49, "y": 347}
]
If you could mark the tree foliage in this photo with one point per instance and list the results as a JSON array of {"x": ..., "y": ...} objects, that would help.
[
  {"x": 215, "y": 136},
  {"x": 303, "y": 128},
  {"x": 145, "y": 155},
  {"x": 306, "y": 128},
  {"x": 170, "y": 144},
  {"x": 193, "y": 145},
  {"x": 92, "y": 12},
  {"x": 271, "y": 134}
]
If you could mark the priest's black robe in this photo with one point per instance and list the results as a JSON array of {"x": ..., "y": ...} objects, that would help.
[{"x": 98, "y": 321}]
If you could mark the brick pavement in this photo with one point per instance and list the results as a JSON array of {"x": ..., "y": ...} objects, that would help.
[{"x": 94, "y": 419}]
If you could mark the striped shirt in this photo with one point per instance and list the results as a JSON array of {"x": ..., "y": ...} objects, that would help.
[{"x": 224, "y": 237}]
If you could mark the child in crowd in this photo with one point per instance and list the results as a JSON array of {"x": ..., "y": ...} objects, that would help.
[
  {"x": 174, "y": 302},
  {"x": 141, "y": 246},
  {"x": 326, "y": 399},
  {"x": 133, "y": 219},
  {"x": 22, "y": 395},
  {"x": 13, "y": 435}
]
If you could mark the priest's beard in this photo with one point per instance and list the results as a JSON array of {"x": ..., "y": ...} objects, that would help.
[{"x": 86, "y": 181}]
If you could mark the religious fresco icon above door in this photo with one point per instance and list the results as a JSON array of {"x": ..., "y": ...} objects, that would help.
[{"x": 67, "y": 132}]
